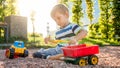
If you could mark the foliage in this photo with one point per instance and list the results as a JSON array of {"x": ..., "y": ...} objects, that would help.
[
  {"x": 2, "y": 36},
  {"x": 105, "y": 27},
  {"x": 36, "y": 35},
  {"x": 64, "y": 2},
  {"x": 77, "y": 11},
  {"x": 7, "y": 7},
  {"x": 109, "y": 20},
  {"x": 12, "y": 39},
  {"x": 116, "y": 17},
  {"x": 2, "y": 40},
  {"x": 38, "y": 38},
  {"x": 100, "y": 42},
  {"x": 93, "y": 31},
  {"x": 89, "y": 5}
]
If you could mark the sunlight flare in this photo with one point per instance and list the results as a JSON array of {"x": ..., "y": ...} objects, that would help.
[{"x": 42, "y": 9}]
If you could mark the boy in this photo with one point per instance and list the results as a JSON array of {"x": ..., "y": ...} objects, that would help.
[{"x": 67, "y": 31}]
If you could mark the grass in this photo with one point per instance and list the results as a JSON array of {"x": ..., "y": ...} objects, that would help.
[
  {"x": 100, "y": 42},
  {"x": 39, "y": 42}
]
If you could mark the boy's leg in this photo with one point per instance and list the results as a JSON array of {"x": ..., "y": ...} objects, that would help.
[
  {"x": 59, "y": 50},
  {"x": 37, "y": 55},
  {"x": 43, "y": 53}
]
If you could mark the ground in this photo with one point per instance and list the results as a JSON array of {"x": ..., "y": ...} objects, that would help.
[{"x": 109, "y": 57}]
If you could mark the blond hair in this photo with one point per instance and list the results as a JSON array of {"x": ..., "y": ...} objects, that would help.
[{"x": 59, "y": 8}]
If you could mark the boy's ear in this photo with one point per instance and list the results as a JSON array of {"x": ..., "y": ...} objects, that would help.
[{"x": 67, "y": 14}]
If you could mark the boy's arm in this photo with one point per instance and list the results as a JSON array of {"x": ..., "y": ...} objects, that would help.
[
  {"x": 82, "y": 34},
  {"x": 48, "y": 39}
]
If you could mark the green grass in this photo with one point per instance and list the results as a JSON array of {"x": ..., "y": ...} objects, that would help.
[
  {"x": 100, "y": 42},
  {"x": 36, "y": 45},
  {"x": 39, "y": 42}
]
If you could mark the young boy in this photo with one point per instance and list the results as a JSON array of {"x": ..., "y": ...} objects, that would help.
[{"x": 67, "y": 31}]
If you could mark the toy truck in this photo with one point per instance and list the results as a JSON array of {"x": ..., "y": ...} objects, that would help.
[
  {"x": 81, "y": 54},
  {"x": 16, "y": 50}
]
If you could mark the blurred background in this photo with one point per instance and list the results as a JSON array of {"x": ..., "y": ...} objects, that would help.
[{"x": 100, "y": 17}]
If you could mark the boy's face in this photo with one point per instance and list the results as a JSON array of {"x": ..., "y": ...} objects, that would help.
[{"x": 61, "y": 19}]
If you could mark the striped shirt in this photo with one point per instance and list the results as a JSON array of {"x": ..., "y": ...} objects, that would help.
[{"x": 68, "y": 32}]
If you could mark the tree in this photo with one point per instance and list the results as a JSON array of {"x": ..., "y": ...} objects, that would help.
[
  {"x": 116, "y": 17},
  {"x": 7, "y": 7},
  {"x": 105, "y": 28},
  {"x": 89, "y": 5},
  {"x": 64, "y": 2},
  {"x": 77, "y": 11},
  {"x": 93, "y": 31}
]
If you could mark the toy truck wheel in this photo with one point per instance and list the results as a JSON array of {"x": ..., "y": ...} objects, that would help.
[
  {"x": 81, "y": 61},
  {"x": 7, "y": 53},
  {"x": 93, "y": 60},
  {"x": 10, "y": 53},
  {"x": 25, "y": 53}
]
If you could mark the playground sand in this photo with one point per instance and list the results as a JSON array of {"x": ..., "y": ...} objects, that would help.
[{"x": 109, "y": 57}]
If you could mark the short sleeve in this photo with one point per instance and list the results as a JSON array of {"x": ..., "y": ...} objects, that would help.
[
  {"x": 85, "y": 27},
  {"x": 76, "y": 29}
]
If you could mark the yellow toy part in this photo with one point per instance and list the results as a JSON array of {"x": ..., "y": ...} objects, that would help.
[
  {"x": 93, "y": 60},
  {"x": 82, "y": 62},
  {"x": 18, "y": 50},
  {"x": 88, "y": 45},
  {"x": 59, "y": 41}
]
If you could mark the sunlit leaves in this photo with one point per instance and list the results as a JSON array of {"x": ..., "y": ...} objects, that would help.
[
  {"x": 77, "y": 11},
  {"x": 64, "y": 2},
  {"x": 105, "y": 6},
  {"x": 89, "y": 9},
  {"x": 7, "y": 8},
  {"x": 116, "y": 17}
]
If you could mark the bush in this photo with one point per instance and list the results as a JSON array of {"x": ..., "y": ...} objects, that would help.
[
  {"x": 2, "y": 40},
  {"x": 35, "y": 35},
  {"x": 12, "y": 39}
]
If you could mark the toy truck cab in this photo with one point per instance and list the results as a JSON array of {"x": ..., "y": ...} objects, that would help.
[
  {"x": 16, "y": 50},
  {"x": 19, "y": 44}
]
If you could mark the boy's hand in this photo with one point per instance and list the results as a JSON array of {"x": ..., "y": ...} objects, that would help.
[
  {"x": 46, "y": 40},
  {"x": 82, "y": 34},
  {"x": 73, "y": 41}
]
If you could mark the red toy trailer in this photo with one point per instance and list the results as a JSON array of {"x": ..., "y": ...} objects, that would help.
[{"x": 81, "y": 54}]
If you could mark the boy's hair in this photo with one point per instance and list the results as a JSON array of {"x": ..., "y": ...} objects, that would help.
[{"x": 59, "y": 8}]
